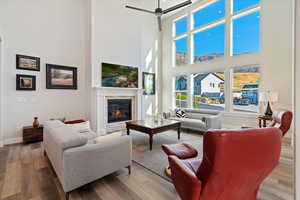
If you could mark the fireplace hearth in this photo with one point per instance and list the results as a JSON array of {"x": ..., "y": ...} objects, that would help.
[{"x": 119, "y": 110}]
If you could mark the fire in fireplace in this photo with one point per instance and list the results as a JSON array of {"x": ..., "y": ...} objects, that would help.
[{"x": 119, "y": 110}]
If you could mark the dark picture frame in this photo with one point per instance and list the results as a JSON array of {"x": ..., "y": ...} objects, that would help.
[
  {"x": 149, "y": 83},
  {"x": 61, "y": 77},
  {"x": 28, "y": 62},
  {"x": 25, "y": 82}
]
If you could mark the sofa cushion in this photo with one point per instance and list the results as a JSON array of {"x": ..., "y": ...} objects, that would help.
[
  {"x": 202, "y": 111},
  {"x": 53, "y": 123},
  {"x": 80, "y": 127},
  {"x": 192, "y": 123},
  {"x": 108, "y": 137},
  {"x": 67, "y": 138}
]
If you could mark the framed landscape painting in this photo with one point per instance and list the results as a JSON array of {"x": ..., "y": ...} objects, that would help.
[
  {"x": 148, "y": 83},
  {"x": 25, "y": 82},
  {"x": 119, "y": 76},
  {"x": 61, "y": 77},
  {"x": 28, "y": 62}
]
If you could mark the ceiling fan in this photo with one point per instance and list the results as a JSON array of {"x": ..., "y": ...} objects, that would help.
[{"x": 159, "y": 11}]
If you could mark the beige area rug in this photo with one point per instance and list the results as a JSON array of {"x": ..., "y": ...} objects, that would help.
[{"x": 156, "y": 160}]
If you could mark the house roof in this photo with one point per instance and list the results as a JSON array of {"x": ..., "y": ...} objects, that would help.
[
  {"x": 213, "y": 94},
  {"x": 250, "y": 86},
  {"x": 202, "y": 76}
]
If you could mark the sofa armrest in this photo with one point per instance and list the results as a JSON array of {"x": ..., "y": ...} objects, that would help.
[
  {"x": 82, "y": 165},
  {"x": 184, "y": 179},
  {"x": 214, "y": 122}
]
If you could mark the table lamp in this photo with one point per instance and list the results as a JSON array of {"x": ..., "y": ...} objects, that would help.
[{"x": 269, "y": 97}]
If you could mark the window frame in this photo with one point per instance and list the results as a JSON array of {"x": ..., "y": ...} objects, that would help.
[
  {"x": 228, "y": 91},
  {"x": 186, "y": 91},
  {"x": 192, "y": 86},
  {"x": 231, "y": 71},
  {"x": 224, "y": 64},
  {"x": 240, "y": 14},
  {"x": 227, "y": 20}
]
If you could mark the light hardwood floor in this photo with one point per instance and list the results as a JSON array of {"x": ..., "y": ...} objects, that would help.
[{"x": 25, "y": 174}]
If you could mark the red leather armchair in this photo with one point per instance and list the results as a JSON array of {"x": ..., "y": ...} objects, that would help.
[
  {"x": 282, "y": 119},
  {"x": 234, "y": 164}
]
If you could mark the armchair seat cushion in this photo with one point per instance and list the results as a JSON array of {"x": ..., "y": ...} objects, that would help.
[{"x": 182, "y": 151}]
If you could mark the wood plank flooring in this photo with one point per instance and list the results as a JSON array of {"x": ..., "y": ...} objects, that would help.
[{"x": 25, "y": 174}]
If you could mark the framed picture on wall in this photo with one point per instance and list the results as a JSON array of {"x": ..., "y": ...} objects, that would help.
[
  {"x": 25, "y": 82},
  {"x": 27, "y": 62},
  {"x": 149, "y": 83},
  {"x": 61, "y": 77}
]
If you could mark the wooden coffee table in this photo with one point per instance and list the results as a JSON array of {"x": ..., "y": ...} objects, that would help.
[{"x": 152, "y": 127}]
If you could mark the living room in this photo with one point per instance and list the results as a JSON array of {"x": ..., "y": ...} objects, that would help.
[{"x": 163, "y": 80}]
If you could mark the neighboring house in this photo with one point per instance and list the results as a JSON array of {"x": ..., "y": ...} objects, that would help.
[
  {"x": 181, "y": 83},
  {"x": 250, "y": 92},
  {"x": 208, "y": 83}
]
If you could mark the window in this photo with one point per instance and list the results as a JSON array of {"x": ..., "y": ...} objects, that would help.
[
  {"x": 246, "y": 33},
  {"x": 208, "y": 91},
  {"x": 209, "y": 14},
  {"x": 200, "y": 35},
  {"x": 209, "y": 44},
  {"x": 181, "y": 88},
  {"x": 181, "y": 50},
  {"x": 239, "y": 5},
  {"x": 181, "y": 26},
  {"x": 245, "y": 88}
]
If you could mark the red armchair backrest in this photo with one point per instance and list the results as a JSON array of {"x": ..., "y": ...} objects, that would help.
[
  {"x": 235, "y": 162},
  {"x": 282, "y": 119}
]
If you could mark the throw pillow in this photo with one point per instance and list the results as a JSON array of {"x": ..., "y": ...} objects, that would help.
[
  {"x": 81, "y": 127},
  {"x": 59, "y": 119},
  {"x": 180, "y": 114},
  {"x": 108, "y": 137}
]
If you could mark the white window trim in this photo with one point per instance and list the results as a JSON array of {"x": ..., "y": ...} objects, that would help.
[
  {"x": 228, "y": 59},
  {"x": 227, "y": 20}
]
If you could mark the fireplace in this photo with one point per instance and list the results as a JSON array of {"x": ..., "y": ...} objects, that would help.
[{"x": 119, "y": 110}]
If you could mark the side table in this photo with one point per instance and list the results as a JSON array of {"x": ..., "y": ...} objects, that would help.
[
  {"x": 263, "y": 120},
  {"x": 31, "y": 134}
]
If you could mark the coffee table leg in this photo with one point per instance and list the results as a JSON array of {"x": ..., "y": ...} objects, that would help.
[
  {"x": 150, "y": 141},
  {"x": 178, "y": 132},
  {"x": 128, "y": 131}
]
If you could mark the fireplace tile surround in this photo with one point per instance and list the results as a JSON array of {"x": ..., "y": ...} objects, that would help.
[{"x": 103, "y": 95}]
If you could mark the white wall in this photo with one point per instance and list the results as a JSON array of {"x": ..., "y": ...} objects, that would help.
[
  {"x": 1, "y": 94},
  {"x": 297, "y": 101},
  {"x": 123, "y": 36},
  {"x": 275, "y": 57},
  {"x": 55, "y": 31}
]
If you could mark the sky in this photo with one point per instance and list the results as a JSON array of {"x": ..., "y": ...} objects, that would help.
[{"x": 246, "y": 30}]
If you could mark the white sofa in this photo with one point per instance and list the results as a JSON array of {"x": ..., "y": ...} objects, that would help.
[
  {"x": 78, "y": 160},
  {"x": 200, "y": 120}
]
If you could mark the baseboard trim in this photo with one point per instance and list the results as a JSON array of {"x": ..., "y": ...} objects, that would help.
[{"x": 13, "y": 141}]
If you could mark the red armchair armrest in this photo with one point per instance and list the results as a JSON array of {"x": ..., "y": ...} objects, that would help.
[{"x": 184, "y": 179}]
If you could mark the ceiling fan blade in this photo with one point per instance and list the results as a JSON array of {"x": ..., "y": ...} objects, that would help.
[
  {"x": 159, "y": 23},
  {"x": 140, "y": 9},
  {"x": 177, "y": 6}
]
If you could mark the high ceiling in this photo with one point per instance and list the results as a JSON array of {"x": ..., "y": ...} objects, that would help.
[{"x": 169, "y": 3}]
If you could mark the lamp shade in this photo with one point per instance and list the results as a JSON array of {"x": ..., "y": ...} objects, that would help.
[{"x": 268, "y": 96}]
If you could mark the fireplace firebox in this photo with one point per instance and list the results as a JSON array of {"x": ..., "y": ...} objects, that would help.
[{"x": 119, "y": 110}]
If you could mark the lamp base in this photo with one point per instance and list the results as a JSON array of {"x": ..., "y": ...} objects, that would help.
[{"x": 269, "y": 111}]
